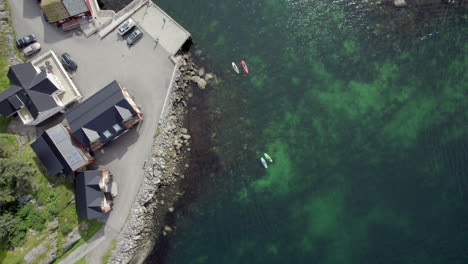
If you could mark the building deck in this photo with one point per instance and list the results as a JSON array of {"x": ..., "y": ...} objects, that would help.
[{"x": 50, "y": 62}]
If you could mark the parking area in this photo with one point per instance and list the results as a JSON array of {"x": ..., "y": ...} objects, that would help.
[{"x": 145, "y": 69}]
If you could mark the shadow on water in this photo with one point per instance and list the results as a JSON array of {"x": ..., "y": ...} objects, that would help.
[{"x": 203, "y": 163}]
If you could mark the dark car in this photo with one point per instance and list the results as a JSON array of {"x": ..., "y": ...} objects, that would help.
[
  {"x": 23, "y": 42},
  {"x": 136, "y": 35},
  {"x": 68, "y": 62}
]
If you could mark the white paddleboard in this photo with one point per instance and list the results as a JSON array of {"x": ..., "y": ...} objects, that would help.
[{"x": 234, "y": 66}]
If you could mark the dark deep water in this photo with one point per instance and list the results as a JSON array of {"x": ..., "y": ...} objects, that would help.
[{"x": 364, "y": 110}]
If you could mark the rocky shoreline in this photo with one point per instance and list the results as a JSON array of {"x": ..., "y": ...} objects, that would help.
[{"x": 164, "y": 169}]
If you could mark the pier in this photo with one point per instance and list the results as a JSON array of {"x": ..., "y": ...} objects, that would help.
[{"x": 164, "y": 30}]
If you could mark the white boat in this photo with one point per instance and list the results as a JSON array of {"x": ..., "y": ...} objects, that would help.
[
  {"x": 264, "y": 163},
  {"x": 234, "y": 66}
]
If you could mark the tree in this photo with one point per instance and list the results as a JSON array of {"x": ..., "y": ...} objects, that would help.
[
  {"x": 3, "y": 149},
  {"x": 8, "y": 224},
  {"x": 15, "y": 177}
]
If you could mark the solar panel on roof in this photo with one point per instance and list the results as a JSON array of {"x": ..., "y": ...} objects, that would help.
[
  {"x": 73, "y": 158},
  {"x": 58, "y": 135}
]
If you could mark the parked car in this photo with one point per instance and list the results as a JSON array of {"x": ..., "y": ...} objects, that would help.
[
  {"x": 136, "y": 35},
  {"x": 68, "y": 63},
  {"x": 126, "y": 26},
  {"x": 31, "y": 49},
  {"x": 23, "y": 42}
]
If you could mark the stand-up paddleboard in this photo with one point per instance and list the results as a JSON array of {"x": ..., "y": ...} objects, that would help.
[
  {"x": 268, "y": 157},
  {"x": 244, "y": 65},
  {"x": 264, "y": 163},
  {"x": 234, "y": 66}
]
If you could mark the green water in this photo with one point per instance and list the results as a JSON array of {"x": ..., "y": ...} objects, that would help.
[{"x": 365, "y": 117}]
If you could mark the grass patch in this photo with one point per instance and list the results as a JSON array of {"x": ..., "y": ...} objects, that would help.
[
  {"x": 81, "y": 261},
  {"x": 157, "y": 133},
  {"x": 93, "y": 227},
  {"x": 9, "y": 144},
  {"x": 4, "y": 121},
  {"x": 106, "y": 257},
  {"x": 17, "y": 256}
]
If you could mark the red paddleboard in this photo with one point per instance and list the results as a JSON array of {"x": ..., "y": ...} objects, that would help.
[{"x": 244, "y": 65}]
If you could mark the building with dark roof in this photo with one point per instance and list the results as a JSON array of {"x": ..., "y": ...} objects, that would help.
[
  {"x": 39, "y": 89},
  {"x": 103, "y": 117},
  {"x": 59, "y": 153},
  {"x": 93, "y": 193}
]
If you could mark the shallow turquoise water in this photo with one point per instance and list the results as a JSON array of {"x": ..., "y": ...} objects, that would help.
[{"x": 366, "y": 123}]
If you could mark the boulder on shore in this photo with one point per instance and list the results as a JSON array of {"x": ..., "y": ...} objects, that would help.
[
  {"x": 195, "y": 79},
  {"x": 201, "y": 83},
  {"x": 209, "y": 77},
  {"x": 201, "y": 72},
  {"x": 399, "y": 3}
]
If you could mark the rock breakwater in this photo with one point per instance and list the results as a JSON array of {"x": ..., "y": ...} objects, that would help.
[{"x": 164, "y": 169}]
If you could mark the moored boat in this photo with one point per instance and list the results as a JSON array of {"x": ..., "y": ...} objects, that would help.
[{"x": 264, "y": 163}]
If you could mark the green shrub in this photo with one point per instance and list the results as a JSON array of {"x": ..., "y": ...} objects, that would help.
[
  {"x": 25, "y": 210},
  {"x": 66, "y": 228},
  {"x": 36, "y": 220},
  {"x": 45, "y": 194},
  {"x": 19, "y": 238},
  {"x": 53, "y": 209},
  {"x": 19, "y": 235},
  {"x": 68, "y": 216}
]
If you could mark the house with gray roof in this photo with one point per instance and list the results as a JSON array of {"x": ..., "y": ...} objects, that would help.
[
  {"x": 103, "y": 117},
  {"x": 39, "y": 89},
  {"x": 59, "y": 152},
  {"x": 93, "y": 193},
  {"x": 75, "y": 7}
]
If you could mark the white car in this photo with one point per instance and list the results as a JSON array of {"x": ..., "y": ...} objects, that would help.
[
  {"x": 126, "y": 26},
  {"x": 31, "y": 49}
]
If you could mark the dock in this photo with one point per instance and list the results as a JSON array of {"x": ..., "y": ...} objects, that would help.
[
  {"x": 161, "y": 27},
  {"x": 149, "y": 17}
]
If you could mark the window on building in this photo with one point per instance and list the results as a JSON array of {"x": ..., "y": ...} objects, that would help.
[
  {"x": 117, "y": 127},
  {"x": 107, "y": 134}
]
